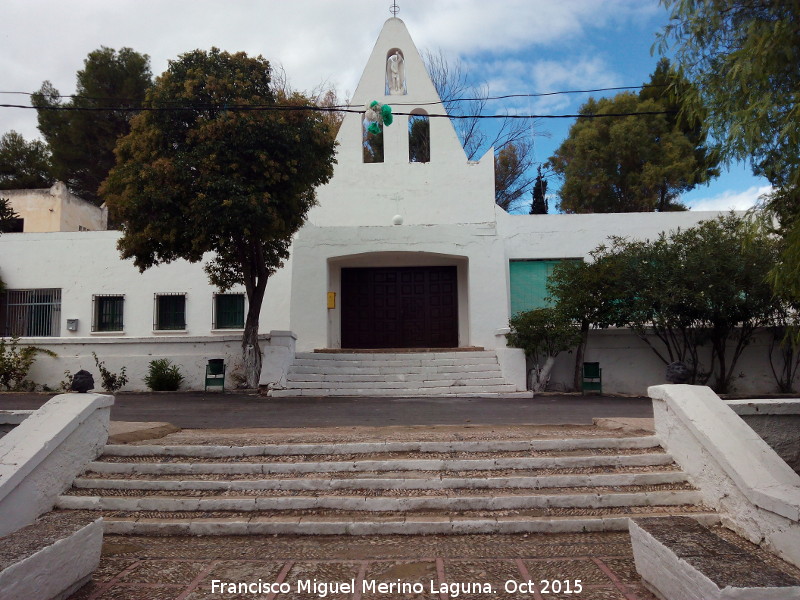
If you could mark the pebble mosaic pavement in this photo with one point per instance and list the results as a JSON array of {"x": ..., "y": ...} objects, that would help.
[{"x": 182, "y": 568}]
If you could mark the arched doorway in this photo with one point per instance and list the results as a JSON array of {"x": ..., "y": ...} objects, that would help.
[{"x": 400, "y": 300}]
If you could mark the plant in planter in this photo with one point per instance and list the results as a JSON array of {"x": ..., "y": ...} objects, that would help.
[{"x": 163, "y": 376}]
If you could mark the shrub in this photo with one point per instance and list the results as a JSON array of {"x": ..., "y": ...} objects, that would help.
[
  {"x": 15, "y": 362},
  {"x": 111, "y": 381},
  {"x": 163, "y": 376}
]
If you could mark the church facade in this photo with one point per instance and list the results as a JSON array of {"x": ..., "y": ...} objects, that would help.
[{"x": 406, "y": 249}]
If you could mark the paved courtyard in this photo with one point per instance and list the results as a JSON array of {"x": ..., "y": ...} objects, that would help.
[{"x": 172, "y": 568}]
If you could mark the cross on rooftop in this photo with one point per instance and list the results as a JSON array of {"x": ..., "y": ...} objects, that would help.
[{"x": 394, "y": 9}]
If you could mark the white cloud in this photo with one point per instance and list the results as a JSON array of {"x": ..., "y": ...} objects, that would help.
[
  {"x": 315, "y": 40},
  {"x": 469, "y": 26},
  {"x": 732, "y": 199}
]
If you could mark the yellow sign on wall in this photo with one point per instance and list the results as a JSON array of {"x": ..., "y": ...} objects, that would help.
[{"x": 331, "y": 299}]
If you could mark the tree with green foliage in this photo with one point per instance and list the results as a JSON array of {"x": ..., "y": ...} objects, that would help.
[
  {"x": 783, "y": 342},
  {"x": 511, "y": 175},
  {"x": 419, "y": 139},
  {"x": 543, "y": 333},
  {"x": 24, "y": 165},
  {"x": 7, "y": 221},
  {"x": 652, "y": 297},
  {"x": 584, "y": 292},
  {"x": 83, "y": 131},
  {"x": 209, "y": 175},
  {"x": 372, "y": 147},
  {"x": 741, "y": 57},
  {"x": 7, "y": 215},
  {"x": 699, "y": 288},
  {"x": 634, "y": 163},
  {"x": 539, "y": 194}
]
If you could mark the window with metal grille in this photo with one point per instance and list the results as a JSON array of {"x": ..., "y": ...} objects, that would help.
[
  {"x": 107, "y": 311},
  {"x": 228, "y": 311},
  {"x": 529, "y": 283},
  {"x": 169, "y": 312},
  {"x": 31, "y": 313}
]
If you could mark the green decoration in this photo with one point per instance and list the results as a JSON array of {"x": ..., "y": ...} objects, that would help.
[{"x": 374, "y": 128}]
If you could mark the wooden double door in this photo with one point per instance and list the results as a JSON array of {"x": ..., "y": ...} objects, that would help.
[{"x": 399, "y": 307}]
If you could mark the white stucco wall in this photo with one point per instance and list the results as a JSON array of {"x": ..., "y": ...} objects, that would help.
[
  {"x": 87, "y": 263},
  {"x": 574, "y": 236},
  {"x": 446, "y": 190},
  {"x": 630, "y": 366},
  {"x": 55, "y": 209},
  {"x": 320, "y": 253}
]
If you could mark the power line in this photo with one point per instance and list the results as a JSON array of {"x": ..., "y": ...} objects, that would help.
[
  {"x": 273, "y": 107},
  {"x": 477, "y": 99}
]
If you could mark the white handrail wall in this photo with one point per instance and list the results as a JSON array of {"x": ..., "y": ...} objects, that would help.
[
  {"x": 737, "y": 473},
  {"x": 42, "y": 455}
]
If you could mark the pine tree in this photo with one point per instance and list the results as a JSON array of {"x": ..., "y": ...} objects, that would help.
[{"x": 539, "y": 204}]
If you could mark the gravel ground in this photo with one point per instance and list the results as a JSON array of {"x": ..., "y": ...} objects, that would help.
[{"x": 417, "y": 433}]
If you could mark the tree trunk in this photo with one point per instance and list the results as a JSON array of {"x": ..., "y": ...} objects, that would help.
[
  {"x": 251, "y": 354},
  {"x": 543, "y": 375},
  {"x": 251, "y": 349},
  {"x": 580, "y": 351}
]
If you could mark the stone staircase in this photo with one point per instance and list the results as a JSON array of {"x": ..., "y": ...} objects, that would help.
[
  {"x": 389, "y": 487},
  {"x": 398, "y": 374}
]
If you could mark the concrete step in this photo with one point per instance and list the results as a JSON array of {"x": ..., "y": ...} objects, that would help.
[
  {"x": 506, "y": 391},
  {"x": 405, "y": 377},
  {"x": 420, "y": 524},
  {"x": 243, "y": 490},
  {"x": 393, "y": 484},
  {"x": 489, "y": 464},
  {"x": 381, "y": 504},
  {"x": 401, "y": 356},
  {"x": 436, "y": 382},
  {"x": 344, "y": 368},
  {"x": 446, "y": 374},
  {"x": 539, "y": 445},
  {"x": 593, "y": 482}
]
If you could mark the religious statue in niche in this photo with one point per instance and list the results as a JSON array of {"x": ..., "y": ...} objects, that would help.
[{"x": 396, "y": 74}]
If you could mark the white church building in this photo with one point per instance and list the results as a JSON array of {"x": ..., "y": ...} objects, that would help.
[{"x": 406, "y": 254}]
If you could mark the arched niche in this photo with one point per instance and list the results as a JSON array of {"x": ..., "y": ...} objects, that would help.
[{"x": 396, "y": 73}]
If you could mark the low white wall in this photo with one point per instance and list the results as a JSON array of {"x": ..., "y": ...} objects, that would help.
[
  {"x": 737, "y": 473},
  {"x": 191, "y": 354},
  {"x": 278, "y": 357},
  {"x": 40, "y": 458},
  {"x": 56, "y": 571},
  {"x": 777, "y": 422},
  {"x": 630, "y": 366},
  {"x": 513, "y": 366}
]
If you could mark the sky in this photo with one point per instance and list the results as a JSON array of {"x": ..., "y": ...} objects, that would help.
[{"x": 516, "y": 46}]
